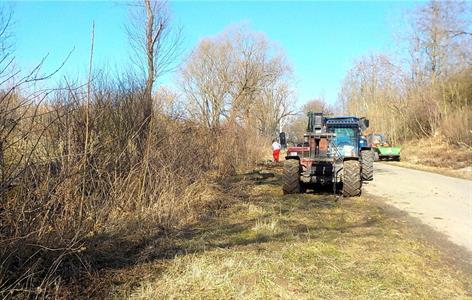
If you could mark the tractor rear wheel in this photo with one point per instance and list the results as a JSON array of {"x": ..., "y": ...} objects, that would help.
[
  {"x": 367, "y": 161},
  {"x": 351, "y": 178},
  {"x": 291, "y": 177}
]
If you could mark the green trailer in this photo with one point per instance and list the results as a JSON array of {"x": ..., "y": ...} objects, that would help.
[{"x": 382, "y": 150}]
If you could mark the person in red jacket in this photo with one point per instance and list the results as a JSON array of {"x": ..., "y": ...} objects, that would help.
[{"x": 276, "y": 150}]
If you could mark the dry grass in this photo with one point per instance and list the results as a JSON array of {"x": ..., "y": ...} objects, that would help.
[
  {"x": 438, "y": 155},
  {"x": 457, "y": 127},
  {"x": 268, "y": 246},
  {"x": 464, "y": 173}
]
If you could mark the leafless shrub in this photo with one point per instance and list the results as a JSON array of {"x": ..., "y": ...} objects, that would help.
[
  {"x": 457, "y": 127},
  {"x": 56, "y": 203},
  {"x": 77, "y": 170}
]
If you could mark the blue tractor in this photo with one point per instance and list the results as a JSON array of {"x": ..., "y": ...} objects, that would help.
[{"x": 334, "y": 152}]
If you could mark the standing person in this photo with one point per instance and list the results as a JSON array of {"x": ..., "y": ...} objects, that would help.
[{"x": 276, "y": 150}]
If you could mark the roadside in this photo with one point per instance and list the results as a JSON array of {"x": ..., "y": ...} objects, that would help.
[
  {"x": 266, "y": 245},
  {"x": 437, "y": 155},
  {"x": 464, "y": 173}
]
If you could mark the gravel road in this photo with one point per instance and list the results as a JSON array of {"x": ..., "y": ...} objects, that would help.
[{"x": 442, "y": 202}]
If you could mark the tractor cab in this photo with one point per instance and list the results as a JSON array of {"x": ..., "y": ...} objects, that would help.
[{"x": 348, "y": 134}]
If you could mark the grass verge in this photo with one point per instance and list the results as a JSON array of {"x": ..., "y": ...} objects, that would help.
[
  {"x": 439, "y": 156},
  {"x": 266, "y": 245}
]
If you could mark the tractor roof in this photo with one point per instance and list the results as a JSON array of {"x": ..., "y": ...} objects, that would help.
[
  {"x": 316, "y": 120},
  {"x": 347, "y": 121},
  {"x": 351, "y": 118},
  {"x": 354, "y": 121}
]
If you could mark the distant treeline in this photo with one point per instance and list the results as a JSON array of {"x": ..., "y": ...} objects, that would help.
[{"x": 425, "y": 90}]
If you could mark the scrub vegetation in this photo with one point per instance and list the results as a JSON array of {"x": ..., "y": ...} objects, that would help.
[
  {"x": 85, "y": 166},
  {"x": 117, "y": 187}
]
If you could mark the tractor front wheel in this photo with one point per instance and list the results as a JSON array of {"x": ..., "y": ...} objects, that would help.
[
  {"x": 367, "y": 161},
  {"x": 291, "y": 177},
  {"x": 351, "y": 178}
]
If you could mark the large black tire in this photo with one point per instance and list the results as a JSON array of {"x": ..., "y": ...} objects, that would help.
[
  {"x": 367, "y": 165},
  {"x": 351, "y": 178},
  {"x": 291, "y": 177}
]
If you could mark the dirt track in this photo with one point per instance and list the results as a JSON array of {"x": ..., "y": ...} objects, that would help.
[{"x": 442, "y": 202}]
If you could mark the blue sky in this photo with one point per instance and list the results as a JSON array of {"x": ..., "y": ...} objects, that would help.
[{"x": 321, "y": 39}]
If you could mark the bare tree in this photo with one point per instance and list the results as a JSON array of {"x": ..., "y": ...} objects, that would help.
[
  {"x": 206, "y": 81},
  {"x": 372, "y": 88},
  {"x": 6, "y": 61},
  {"x": 439, "y": 37},
  {"x": 441, "y": 52},
  {"x": 417, "y": 99},
  {"x": 156, "y": 46},
  {"x": 274, "y": 106},
  {"x": 6, "y": 46},
  {"x": 237, "y": 76}
]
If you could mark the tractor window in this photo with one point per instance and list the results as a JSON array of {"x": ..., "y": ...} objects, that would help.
[
  {"x": 346, "y": 140},
  {"x": 345, "y": 136}
]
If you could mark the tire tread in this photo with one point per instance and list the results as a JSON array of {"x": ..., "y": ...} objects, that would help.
[
  {"x": 290, "y": 179},
  {"x": 351, "y": 178},
  {"x": 367, "y": 165}
]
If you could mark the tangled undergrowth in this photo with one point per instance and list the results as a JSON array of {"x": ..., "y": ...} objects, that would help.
[{"x": 79, "y": 179}]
